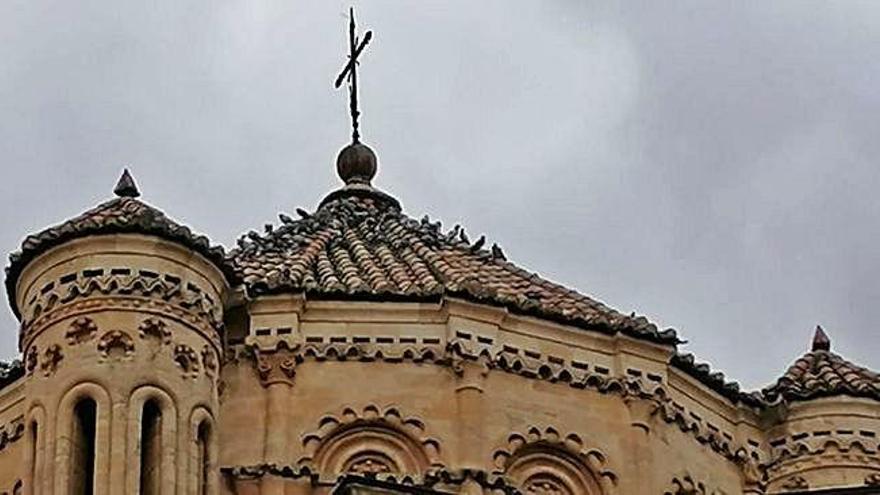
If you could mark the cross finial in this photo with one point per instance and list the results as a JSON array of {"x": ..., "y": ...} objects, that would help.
[{"x": 355, "y": 47}]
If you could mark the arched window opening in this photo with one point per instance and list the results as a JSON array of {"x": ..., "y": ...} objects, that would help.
[
  {"x": 203, "y": 440},
  {"x": 82, "y": 463},
  {"x": 151, "y": 448}
]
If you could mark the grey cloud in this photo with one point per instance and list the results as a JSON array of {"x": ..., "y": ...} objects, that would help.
[{"x": 712, "y": 165}]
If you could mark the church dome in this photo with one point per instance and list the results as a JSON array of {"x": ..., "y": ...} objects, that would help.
[
  {"x": 360, "y": 245},
  {"x": 124, "y": 214}
]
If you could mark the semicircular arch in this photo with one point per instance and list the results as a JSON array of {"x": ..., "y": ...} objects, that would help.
[
  {"x": 544, "y": 462},
  {"x": 371, "y": 440}
]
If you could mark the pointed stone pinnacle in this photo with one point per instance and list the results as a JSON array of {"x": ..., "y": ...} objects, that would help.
[
  {"x": 821, "y": 342},
  {"x": 126, "y": 188}
]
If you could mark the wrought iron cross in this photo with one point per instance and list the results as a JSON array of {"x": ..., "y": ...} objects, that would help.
[{"x": 355, "y": 47}]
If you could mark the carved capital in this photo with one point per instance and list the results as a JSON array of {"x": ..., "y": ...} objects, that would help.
[
  {"x": 641, "y": 412},
  {"x": 276, "y": 366}
]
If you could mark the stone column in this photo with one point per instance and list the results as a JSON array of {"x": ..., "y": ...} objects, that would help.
[
  {"x": 118, "y": 447},
  {"x": 641, "y": 420},
  {"x": 470, "y": 404},
  {"x": 276, "y": 370}
]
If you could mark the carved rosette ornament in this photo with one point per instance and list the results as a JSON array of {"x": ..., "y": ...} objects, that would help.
[
  {"x": 30, "y": 360},
  {"x": 81, "y": 330},
  {"x": 156, "y": 330},
  {"x": 115, "y": 344},
  {"x": 51, "y": 359},
  {"x": 187, "y": 360}
]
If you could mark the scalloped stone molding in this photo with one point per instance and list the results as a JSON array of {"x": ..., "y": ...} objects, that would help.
[
  {"x": 687, "y": 485},
  {"x": 392, "y": 442},
  {"x": 543, "y": 455}
]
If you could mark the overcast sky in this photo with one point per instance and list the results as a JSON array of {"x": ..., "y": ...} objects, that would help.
[{"x": 712, "y": 165}]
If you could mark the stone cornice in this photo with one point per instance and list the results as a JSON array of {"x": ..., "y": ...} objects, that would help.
[
  {"x": 431, "y": 479},
  {"x": 641, "y": 387}
]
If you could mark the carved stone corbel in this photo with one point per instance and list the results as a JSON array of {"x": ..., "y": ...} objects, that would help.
[
  {"x": 276, "y": 366},
  {"x": 641, "y": 412}
]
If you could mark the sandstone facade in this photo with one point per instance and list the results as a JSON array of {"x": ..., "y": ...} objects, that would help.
[{"x": 357, "y": 350}]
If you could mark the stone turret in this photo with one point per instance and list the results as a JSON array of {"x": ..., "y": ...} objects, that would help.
[
  {"x": 825, "y": 434},
  {"x": 121, "y": 315}
]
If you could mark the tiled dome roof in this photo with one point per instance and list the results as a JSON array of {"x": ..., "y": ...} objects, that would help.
[
  {"x": 123, "y": 214},
  {"x": 822, "y": 373},
  {"x": 360, "y": 245}
]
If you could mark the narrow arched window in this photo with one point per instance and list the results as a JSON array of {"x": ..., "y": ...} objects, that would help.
[
  {"x": 151, "y": 448},
  {"x": 82, "y": 463},
  {"x": 203, "y": 440}
]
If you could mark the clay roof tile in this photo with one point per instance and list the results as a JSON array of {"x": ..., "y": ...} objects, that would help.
[{"x": 360, "y": 244}]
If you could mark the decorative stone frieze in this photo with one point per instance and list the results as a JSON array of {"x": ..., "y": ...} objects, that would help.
[
  {"x": 822, "y": 449},
  {"x": 438, "y": 478},
  {"x": 127, "y": 283},
  {"x": 500, "y": 358}
]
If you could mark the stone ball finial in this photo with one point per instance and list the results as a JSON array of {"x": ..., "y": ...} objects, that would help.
[
  {"x": 356, "y": 164},
  {"x": 125, "y": 187}
]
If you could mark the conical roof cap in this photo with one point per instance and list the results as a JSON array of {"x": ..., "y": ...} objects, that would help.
[{"x": 123, "y": 214}]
